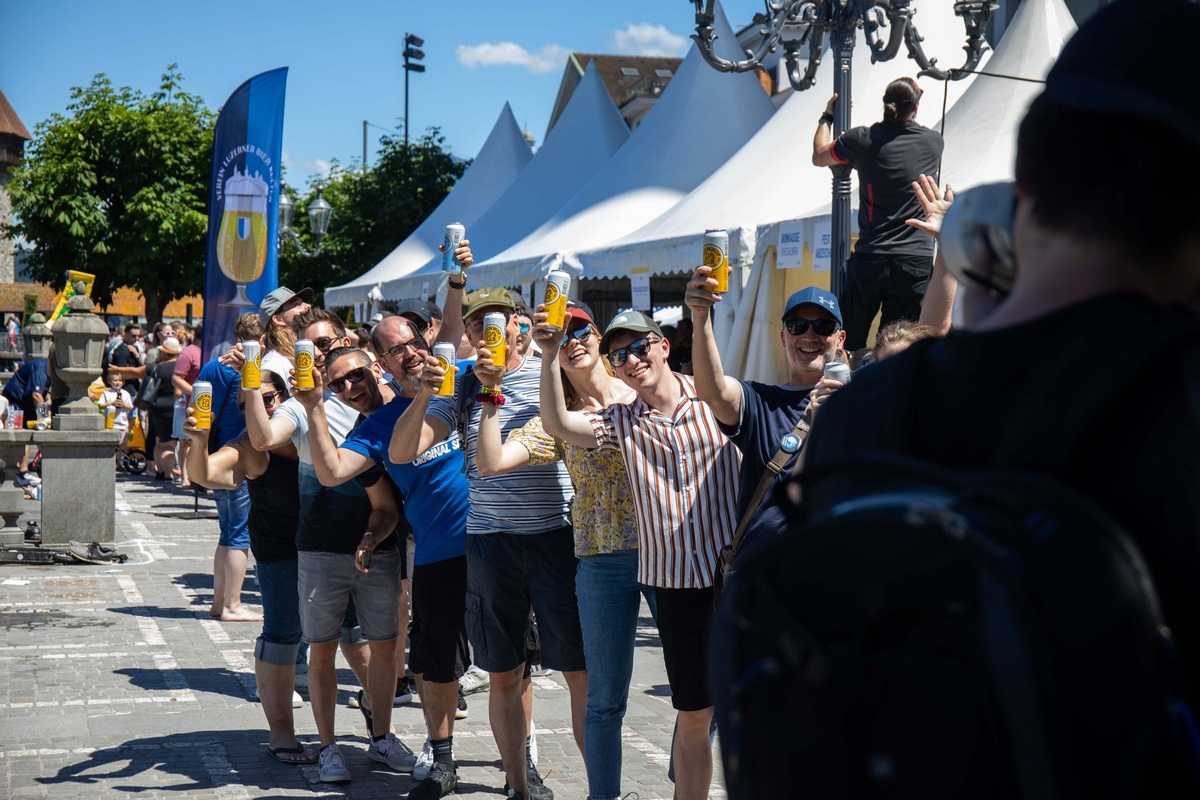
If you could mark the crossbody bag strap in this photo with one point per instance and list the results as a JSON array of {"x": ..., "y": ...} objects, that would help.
[{"x": 774, "y": 467}]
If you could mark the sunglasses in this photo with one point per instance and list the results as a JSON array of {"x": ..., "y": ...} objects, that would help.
[
  {"x": 353, "y": 377},
  {"x": 325, "y": 343},
  {"x": 269, "y": 399},
  {"x": 821, "y": 327},
  {"x": 641, "y": 348},
  {"x": 524, "y": 327},
  {"x": 581, "y": 335}
]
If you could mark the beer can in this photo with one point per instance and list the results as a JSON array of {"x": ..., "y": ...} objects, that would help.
[
  {"x": 455, "y": 233},
  {"x": 110, "y": 417},
  {"x": 716, "y": 255},
  {"x": 494, "y": 339},
  {"x": 838, "y": 371},
  {"x": 202, "y": 404},
  {"x": 558, "y": 284},
  {"x": 446, "y": 354},
  {"x": 252, "y": 369},
  {"x": 305, "y": 358}
]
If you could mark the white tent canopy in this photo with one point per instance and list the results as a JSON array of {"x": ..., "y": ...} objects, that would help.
[
  {"x": 771, "y": 177},
  {"x": 586, "y": 136},
  {"x": 702, "y": 118},
  {"x": 503, "y": 155},
  {"x": 980, "y": 133}
]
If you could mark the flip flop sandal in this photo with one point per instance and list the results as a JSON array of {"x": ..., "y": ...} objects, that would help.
[{"x": 279, "y": 753}]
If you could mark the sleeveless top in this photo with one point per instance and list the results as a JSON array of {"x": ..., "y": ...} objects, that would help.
[{"x": 275, "y": 510}]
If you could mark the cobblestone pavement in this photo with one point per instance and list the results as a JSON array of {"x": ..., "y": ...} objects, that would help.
[{"x": 115, "y": 683}]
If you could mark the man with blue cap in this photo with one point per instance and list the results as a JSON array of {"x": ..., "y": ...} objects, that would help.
[{"x": 763, "y": 419}]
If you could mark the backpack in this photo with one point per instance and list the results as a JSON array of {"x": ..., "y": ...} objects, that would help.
[
  {"x": 148, "y": 393},
  {"x": 950, "y": 634},
  {"x": 106, "y": 359}
]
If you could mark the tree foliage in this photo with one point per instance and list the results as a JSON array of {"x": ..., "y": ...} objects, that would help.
[
  {"x": 118, "y": 188},
  {"x": 372, "y": 212}
]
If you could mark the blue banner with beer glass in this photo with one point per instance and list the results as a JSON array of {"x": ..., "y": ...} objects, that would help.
[{"x": 242, "y": 259}]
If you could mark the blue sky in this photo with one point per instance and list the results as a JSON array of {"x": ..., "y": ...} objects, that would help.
[{"x": 344, "y": 59}]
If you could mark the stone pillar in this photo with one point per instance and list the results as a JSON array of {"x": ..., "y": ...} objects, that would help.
[
  {"x": 36, "y": 337},
  {"x": 12, "y": 499},
  {"x": 79, "y": 339},
  {"x": 78, "y": 486}
]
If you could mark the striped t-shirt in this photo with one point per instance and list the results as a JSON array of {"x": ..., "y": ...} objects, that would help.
[
  {"x": 684, "y": 474},
  {"x": 526, "y": 500}
]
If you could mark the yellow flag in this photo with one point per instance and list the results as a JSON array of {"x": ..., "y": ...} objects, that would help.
[{"x": 60, "y": 302}]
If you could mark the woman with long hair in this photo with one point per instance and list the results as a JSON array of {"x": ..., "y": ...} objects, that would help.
[{"x": 606, "y": 535}]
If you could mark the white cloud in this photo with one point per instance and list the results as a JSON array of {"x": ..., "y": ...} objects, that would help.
[
  {"x": 644, "y": 39},
  {"x": 503, "y": 54}
]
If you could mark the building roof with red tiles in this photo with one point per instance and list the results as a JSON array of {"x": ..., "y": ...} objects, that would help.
[{"x": 10, "y": 123}]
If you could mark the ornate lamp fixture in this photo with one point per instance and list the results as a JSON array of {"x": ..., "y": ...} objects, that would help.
[
  {"x": 794, "y": 23},
  {"x": 319, "y": 214}
]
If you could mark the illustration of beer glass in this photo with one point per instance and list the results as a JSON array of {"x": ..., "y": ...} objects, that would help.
[{"x": 242, "y": 239}]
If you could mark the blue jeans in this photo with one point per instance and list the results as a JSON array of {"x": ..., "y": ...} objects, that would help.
[
  {"x": 609, "y": 599},
  {"x": 280, "y": 639},
  {"x": 233, "y": 516}
]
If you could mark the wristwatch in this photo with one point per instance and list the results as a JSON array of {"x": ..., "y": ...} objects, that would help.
[
  {"x": 457, "y": 284},
  {"x": 826, "y": 117}
]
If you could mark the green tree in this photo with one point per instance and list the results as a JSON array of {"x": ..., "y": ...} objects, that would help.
[
  {"x": 118, "y": 188},
  {"x": 372, "y": 212}
]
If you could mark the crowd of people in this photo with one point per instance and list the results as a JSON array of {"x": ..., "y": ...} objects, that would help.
[{"x": 432, "y": 517}]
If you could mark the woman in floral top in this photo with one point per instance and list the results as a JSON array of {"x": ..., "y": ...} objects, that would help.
[{"x": 605, "y": 537}]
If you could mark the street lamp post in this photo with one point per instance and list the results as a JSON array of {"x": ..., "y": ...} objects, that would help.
[
  {"x": 412, "y": 54},
  {"x": 811, "y": 21},
  {"x": 319, "y": 214}
]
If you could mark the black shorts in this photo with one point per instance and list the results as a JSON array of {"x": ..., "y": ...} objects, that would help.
[
  {"x": 684, "y": 624},
  {"x": 507, "y": 575},
  {"x": 438, "y": 637},
  {"x": 890, "y": 285}
]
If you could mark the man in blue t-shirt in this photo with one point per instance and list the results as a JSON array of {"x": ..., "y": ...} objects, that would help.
[
  {"x": 761, "y": 419},
  {"x": 436, "y": 504}
]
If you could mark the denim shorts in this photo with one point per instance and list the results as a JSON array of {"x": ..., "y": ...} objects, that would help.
[
  {"x": 280, "y": 638},
  {"x": 233, "y": 514},
  {"x": 509, "y": 573},
  {"x": 329, "y": 580}
]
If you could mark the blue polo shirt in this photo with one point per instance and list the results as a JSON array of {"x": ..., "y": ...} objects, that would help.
[{"x": 434, "y": 485}]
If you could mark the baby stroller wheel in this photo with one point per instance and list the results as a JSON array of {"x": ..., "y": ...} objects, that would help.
[{"x": 134, "y": 461}]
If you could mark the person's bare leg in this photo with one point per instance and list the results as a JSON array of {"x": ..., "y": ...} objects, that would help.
[
  {"x": 275, "y": 692},
  {"x": 506, "y": 712},
  {"x": 322, "y": 688},
  {"x": 181, "y": 451},
  {"x": 577, "y": 683},
  {"x": 438, "y": 701},
  {"x": 381, "y": 683},
  {"x": 693, "y": 755},
  {"x": 229, "y": 573}
]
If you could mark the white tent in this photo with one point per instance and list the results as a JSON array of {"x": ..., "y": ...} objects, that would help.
[
  {"x": 503, "y": 155},
  {"x": 980, "y": 133},
  {"x": 771, "y": 177},
  {"x": 702, "y": 118},
  {"x": 585, "y": 137}
]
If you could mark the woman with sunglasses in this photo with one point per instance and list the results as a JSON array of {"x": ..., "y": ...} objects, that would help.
[
  {"x": 273, "y": 483},
  {"x": 605, "y": 528}
]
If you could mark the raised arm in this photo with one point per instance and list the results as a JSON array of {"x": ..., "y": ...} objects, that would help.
[
  {"x": 822, "y": 155},
  {"x": 492, "y": 455},
  {"x": 722, "y": 393},
  {"x": 452, "y": 319},
  {"x": 570, "y": 426},
  {"x": 226, "y": 468},
  {"x": 415, "y": 432},
  {"x": 334, "y": 465}
]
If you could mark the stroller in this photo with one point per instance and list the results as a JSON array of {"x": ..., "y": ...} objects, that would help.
[{"x": 133, "y": 455}]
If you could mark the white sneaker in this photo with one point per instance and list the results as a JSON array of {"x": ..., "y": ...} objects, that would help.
[
  {"x": 302, "y": 680},
  {"x": 538, "y": 671},
  {"x": 393, "y": 752},
  {"x": 533, "y": 754},
  {"x": 297, "y": 700},
  {"x": 474, "y": 680},
  {"x": 424, "y": 761},
  {"x": 332, "y": 766}
]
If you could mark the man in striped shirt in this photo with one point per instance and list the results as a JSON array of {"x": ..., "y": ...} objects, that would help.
[{"x": 684, "y": 474}]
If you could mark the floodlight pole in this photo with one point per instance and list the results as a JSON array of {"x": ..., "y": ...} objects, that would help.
[{"x": 412, "y": 54}]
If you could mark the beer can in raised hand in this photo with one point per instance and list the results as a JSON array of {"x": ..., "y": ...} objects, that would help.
[
  {"x": 455, "y": 233},
  {"x": 716, "y": 255},
  {"x": 202, "y": 404},
  {"x": 305, "y": 358},
  {"x": 558, "y": 284},
  {"x": 252, "y": 369},
  {"x": 494, "y": 325},
  {"x": 838, "y": 371},
  {"x": 446, "y": 354}
]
